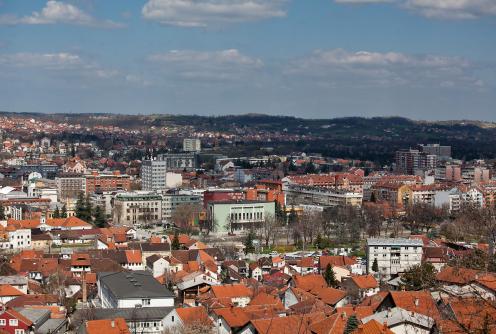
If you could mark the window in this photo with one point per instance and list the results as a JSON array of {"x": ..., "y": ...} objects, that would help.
[
  {"x": 2, "y": 322},
  {"x": 172, "y": 318},
  {"x": 19, "y": 331},
  {"x": 145, "y": 302},
  {"x": 13, "y": 322}
]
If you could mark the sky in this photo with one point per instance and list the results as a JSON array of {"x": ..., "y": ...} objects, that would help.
[{"x": 421, "y": 59}]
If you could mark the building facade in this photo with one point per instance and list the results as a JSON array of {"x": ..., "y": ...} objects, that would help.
[
  {"x": 393, "y": 255},
  {"x": 139, "y": 207},
  {"x": 239, "y": 215},
  {"x": 191, "y": 145}
]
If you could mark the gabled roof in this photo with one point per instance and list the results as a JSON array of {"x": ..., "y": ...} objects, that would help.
[
  {"x": 457, "y": 275},
  {"x": 108, "y": 326},
  {"x": 192, "y": 315},
  {"x": 330, "y": 296},
  {"x": 365, "y": 281},
  {"x": 297, "y": 324},
  {"x": 335, "y": 324},
  {"x": 397, "y": 316},
  {"x": 231, "y": 291},
  {"x": 7, "y": 290},
  {"x": 235, "y": 317},
  {"x": 415, "y": 301},
  {"x": 372, "y": 327},
  {"x": 309, "y": 282},
  {"x": 336, "y": 260}
]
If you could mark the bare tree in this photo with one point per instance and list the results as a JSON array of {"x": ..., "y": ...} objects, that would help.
[
  {"x": 184, "y": 215},
  {"x": 268, "y": 228}
]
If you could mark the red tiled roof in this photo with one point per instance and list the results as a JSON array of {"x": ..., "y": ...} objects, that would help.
[
  {"x": 457, "y": 275},
  {"x": 231, "y": 291},
  {"x": 191, "y": 315},
  {"x": 372, "y": 327},
  {"x": 107, "y": 326},
  {"x": 365, "y": 281},
  {"x": 336, "y": 260},
  {"x": 309, "y": 282},
  {"x": 7, "y": 290}
]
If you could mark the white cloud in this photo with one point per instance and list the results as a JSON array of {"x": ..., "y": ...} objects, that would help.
[
  {"x": 363, "y": 68},
  {"x": 453, "y": 9},
  {"x": 440, "y": 9},
  {"x": 51, "y": 61},
  {"x": 213, "y": 65},
  {"x": 59, "y": 12},
  {"x": 193, "y": 13}
]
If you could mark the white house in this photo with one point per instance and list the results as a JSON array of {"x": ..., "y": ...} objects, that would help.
[{"x": 132, "y": 289}]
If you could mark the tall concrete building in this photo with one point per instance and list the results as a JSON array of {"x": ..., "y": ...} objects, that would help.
[
  {"x": 153, "y": 174},
  {"x": 191, "y": 145},
  {"x": 441, "y": 151},
  {"x": 410, "y": 161}
]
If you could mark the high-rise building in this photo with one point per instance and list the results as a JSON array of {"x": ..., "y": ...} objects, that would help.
[
  {"x": 153, "y": 174},
  {"x": 441, "y": 151},
  {"x": 410, "y": 161},
  {"x": 191, "y": 145}
]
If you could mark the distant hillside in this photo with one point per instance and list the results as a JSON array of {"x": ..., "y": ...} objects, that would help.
[{"x": 353, "y": 137}]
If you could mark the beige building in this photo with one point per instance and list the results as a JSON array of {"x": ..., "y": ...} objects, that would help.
[{"x": 135, "y": 208}]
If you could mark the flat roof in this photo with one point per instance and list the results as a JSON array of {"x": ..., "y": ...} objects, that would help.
[
  {"x": 136, "y": 284},
  {"x": 394, "y": 242}
]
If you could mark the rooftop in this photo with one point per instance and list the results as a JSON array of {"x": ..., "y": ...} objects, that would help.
[
  {"x": 394, "y": 242},
  {"x": 137, "y": 284}
]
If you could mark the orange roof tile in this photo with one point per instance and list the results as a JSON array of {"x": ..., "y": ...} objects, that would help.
[
  {"x": 309, "y": 282},
  {"x": 330, "y": 296},
  {"x": 365, "y": 281},
  {"x": 107, "y": 326},
  {"x": 359, "y": 311},
  {"x": 231, "y": 291},
  {"x": 372, "y": 327},
  {"x": 133, "y": 256},
  {"x": 335, "y": 324},
  {"x": 416, "y": 301},
  {"x": 457, "y": 275},
  {"x": 7, "y": 290},
  {"x": 191, "y": 315}
]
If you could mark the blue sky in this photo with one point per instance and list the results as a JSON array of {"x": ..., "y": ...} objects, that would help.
[{"x": 422, "y": 59}]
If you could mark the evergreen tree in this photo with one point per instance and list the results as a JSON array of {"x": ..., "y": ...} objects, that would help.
[
  {"x": 319, "y": 243},
  {"x": 292, "y": 219},
  {"x": 249, "y": 247},
  {"x": 99, "y": 217},
  {"x": 419, "y": 277},
  {"x": 2, "y": 212},
  {"x": 88, "y": 209},
  {"x": 63, "y": 214},
  {"x": 375, "y": 266},
  {"x": 330, "y": 277},
  {"x": 80, "y": 207},
  {"x": 351, "y": 324},
  {"x": 56, "y": 213},
  {"x": 175, "y": 241}
]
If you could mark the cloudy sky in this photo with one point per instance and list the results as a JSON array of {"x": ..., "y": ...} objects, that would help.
[{"x": 423, "y": 59}]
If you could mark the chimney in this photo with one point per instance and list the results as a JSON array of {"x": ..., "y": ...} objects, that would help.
[
  {"x": 416, "y": 302},
  {"x": 112, "y": 323}
]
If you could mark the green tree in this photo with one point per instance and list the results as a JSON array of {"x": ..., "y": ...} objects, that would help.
[
  {"x": 330, "y": 276},
  {"x": 2, "y": 212},
  {"x": 249, "y": 247},
  {"x": 351, "y": 324},
  {"x": 56, "y": 213},
  {"x": 419, "y": 277},
  {"x": 63, "y": 214},
  {"x": 88, "y": 209},
  {"x": 99, "y": 220},
  {"x": 81, "y": 207},
  {"x": 320, "y": 243},
  {"x": 175, "y": 241},
  {"x": 375, "y": 266}
]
